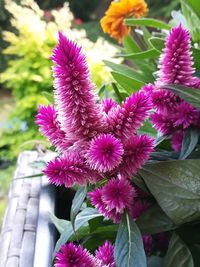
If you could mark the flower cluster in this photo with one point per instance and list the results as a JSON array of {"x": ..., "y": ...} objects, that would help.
[
  {"x": 173, "y": 115},
  {"x": 76, "y": 256},
  {"x": 95, "y": 139},
  {"x": 113, "y": 21}
]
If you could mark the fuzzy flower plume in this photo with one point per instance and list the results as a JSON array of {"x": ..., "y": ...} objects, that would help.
[
  {"x": 81, "y": 115},
  {"x": 148, "y": 244},
  {"x": 69, "y": 169},
  {"x": 47, "y": 120},
  {"x": 105, "y": 153},
  {"x": 74, "y": 256},
  {"x": 125, "y": 120},
  {"x": 176, "y": 61},
  {"x": 113, "y": 198},
  {"x": 105, "y": 254},
  {"x": 113, "y": 21},
  {"x": 95, "y": 140},
  {"x": 172, "y": 114},
  {"x": 136, "y": 151}
]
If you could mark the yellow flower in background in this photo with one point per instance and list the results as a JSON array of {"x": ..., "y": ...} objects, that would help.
[{"x": 112, "y": 23}]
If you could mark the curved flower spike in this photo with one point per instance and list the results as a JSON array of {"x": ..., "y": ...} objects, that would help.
[{"x": 81, "y": 115}]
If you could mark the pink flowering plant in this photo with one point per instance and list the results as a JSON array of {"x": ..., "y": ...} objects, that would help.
[{"x": 133, "y": 163}]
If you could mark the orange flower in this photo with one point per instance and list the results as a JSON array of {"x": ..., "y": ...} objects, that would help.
[{"x": 112, "y": 22}]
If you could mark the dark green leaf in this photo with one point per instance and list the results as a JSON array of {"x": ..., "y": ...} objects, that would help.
[
  {"x": 130, "y": 45},
  {"x": 189, "y": 143},
  {"x": 77, "y": 203},
  {"x": 157, "y": 43},
  {"x": 129, "y": 84},
  {"x": 82, "y": 218},
  {"x": 178, "y": 255},
  {"x": 148, "y": 22},
  {"x": 176, "y": 187},
  {"x": 151, "y": 53},
  {"x": 155, "y": 261},
  {"x": 196, "y": 56},
  {"x": 60, "y": 224},
  {"x": 154, "y": 220},
  {"x": 148, "y": 128},
  {"x": 189, "y": 94},
  {"x": 129, "y": 250}
]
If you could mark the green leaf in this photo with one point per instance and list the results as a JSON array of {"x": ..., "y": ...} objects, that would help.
[
  {"x": 148, "y": 54},
  {"x": 189, "y": 94},
  {"x": 148, "y": 128},
  {"x": 157, "y": 43},
  {"x": 154, "y": 220},
  {"x": 129, "y": 250},
  {"x": 48, "y": 96},
  {"x": 77, "y": 203},
  {"x": 125, "y": 70},
  {"x": 60, "y": 224},
  {"x": 176, "y": 187},
  {"x": 155, "y": 261},
  {"x": 129, "y": 84},
  {"x": 29, "y": 176},
  {"x": 196, "y": 56},
  {"x": 82, "y": 218},
  {"x": 148, "y": 22},
  {"x": 195, "y": 6},
  {"x": 178, "y": 255},
  {"x": 189, "y": 143},
  {"x": 130, "y": 45},
  {"x": 193, "y": 20}
]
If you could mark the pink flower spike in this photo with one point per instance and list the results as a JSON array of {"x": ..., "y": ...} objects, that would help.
[
  {"x": 176, "y": 60},
  {"x": 164, "y": 123},
  {"x": 105, "y": 153},
  {"x": 49, "y": 126},
  {"x": 81, "y": 115},
  {"x": 118, "y": 195},
  {"x": 148, "y": 244},
  {"x": 136, "y": 152},
  {"x": 74, "y": 256},
  {"x": 125, "y": 120},
  {"x": 69, "y": 169},
  {"x": 139, "y": 207},
  {"x": 105, "y": 254}
]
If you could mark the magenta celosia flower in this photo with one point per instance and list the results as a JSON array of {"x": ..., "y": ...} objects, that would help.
[
  {"x": 74, "y": 256},
  {"x": 108, "y": 104},
  {"x": 47, "y": 120},
  {"x": 105, "y": 152},
  {"x": 176, "y": 60},
  {"x": 136, "y": 151},
  {"x": 148, "y": 244},
  {"x": 68, "y": 170},
  {"x": 139, "y": 207},
  {"x": 113, "y": 198},
  {"x": 165, "y": 101},
  {"x": 118, "y": 195},
  {"x": 186, "y": 115},
  {"x": 97, "y": 201},
  {"x": 105, "y": 254},
  {"x": 164, "y": 123},
  {"x": 81, "y": 115},
  {"x": 124, "y": 120}
]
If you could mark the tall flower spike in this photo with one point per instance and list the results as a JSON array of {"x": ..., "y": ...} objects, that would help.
[
  {"x": 74, "y": 256},
  {"x": 105, "y": 153},
  {"x": 127, "y": 118},
  {"x": 136, "y": 151},
  {"x": 68, "y": 170},
  {"x": 49, "y": 126},
  {"x": 81, "y": 115},
  {"x": 176, "y": 60}
]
